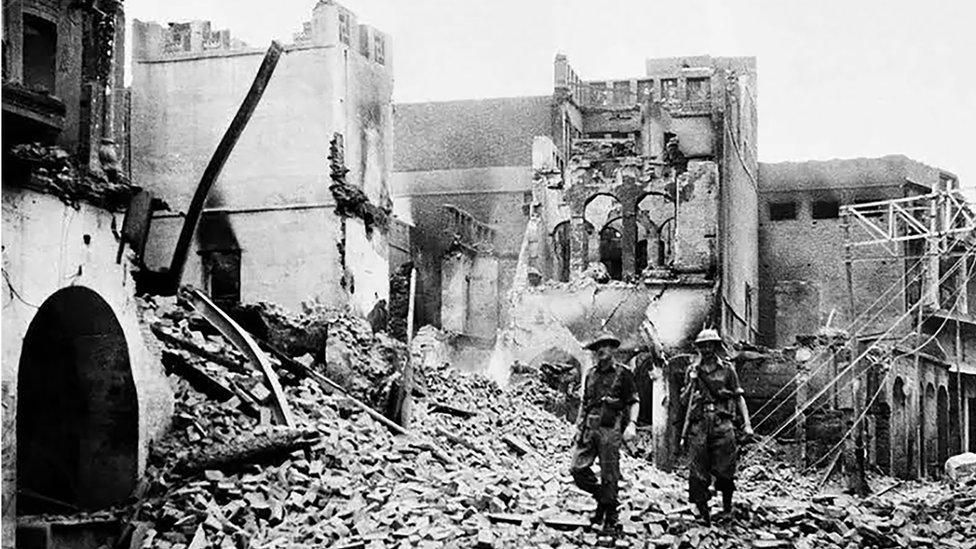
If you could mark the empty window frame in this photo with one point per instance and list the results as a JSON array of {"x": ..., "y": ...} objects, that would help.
[
  {"x": 379, "y": 49},
  {"x": 222, "y": 269},
  {"x": 364, "y": 48},
  {"x": 825, "y": 209},
  {"x": 621, "y": 93},
  {"x": 698, "y": 89},
  {"x": 782, "y": 211},
  {"x": 40, "y": 52},
  {"x": 598, "y": 93},
  {"x": 344, "y": 27},
  {"x": 645, "y": 90},
  {"x": 669, "y": 89}
]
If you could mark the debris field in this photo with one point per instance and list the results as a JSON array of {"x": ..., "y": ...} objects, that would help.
[{"x": 481, "y": 467}]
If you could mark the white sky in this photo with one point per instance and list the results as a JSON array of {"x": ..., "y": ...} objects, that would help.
[{"x": 837, "y": 78}]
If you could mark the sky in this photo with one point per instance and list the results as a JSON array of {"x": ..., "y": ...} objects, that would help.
[{"x": 837, "y": 79}]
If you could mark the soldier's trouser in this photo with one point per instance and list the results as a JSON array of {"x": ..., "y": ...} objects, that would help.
[
  {"x": 713, "y": 452},
  {"x": 603, "y": 442}
]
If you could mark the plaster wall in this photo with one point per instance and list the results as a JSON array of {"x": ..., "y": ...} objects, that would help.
[
  {"x": 289, "y": 257},
  {"x": 275, "y": 185},
  {"x": 812, "y": 250},
  {"x": 739, "y": 216},
  {"x": 44, "y": 250}
]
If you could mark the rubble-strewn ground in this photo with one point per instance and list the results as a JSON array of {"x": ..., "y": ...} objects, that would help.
[{"x": 355, "y": 484}]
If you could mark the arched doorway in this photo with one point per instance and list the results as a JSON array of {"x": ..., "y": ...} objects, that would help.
[
  {"x": 942, "y": 419},
  {"x": 603, "y": 244},
  {"x": 77, "y": 415},
  {"x": 611, "y": 254}
]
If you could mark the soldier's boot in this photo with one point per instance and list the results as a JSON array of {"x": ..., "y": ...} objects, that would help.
[
  {"x": 706, "y": 517},
  {"x": 611, "y": 521},
  {"x": 599, "y": 514},
  {"x": 728, "y": 512}
]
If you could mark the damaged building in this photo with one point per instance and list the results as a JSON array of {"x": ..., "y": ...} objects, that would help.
[
  {"x": 480, "y": 162},
  {"x": 301, "y": 209},
  {"x": 83, "y": 390},
  {"x": 866, "y": 275},
  {"x": 641, "y": 209}
]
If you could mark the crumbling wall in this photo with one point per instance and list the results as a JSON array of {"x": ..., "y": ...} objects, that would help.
[{"x": 47, "y": 246}]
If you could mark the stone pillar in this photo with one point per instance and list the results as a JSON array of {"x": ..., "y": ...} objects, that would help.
[
  {"x": 628, "y": 243},
  {"x": 577, "y": 245}
]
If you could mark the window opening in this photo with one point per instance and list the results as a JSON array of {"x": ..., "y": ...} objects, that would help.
[{"x": 782, "y": 211}]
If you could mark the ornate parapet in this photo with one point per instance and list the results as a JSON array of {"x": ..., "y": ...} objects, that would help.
[{"x": 469, "y": 234}]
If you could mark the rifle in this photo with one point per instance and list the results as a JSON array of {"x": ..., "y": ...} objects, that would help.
[{"x": 692, "y": 392}]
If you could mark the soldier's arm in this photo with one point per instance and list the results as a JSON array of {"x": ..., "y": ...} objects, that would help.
[{"x": 741, "y": 398}]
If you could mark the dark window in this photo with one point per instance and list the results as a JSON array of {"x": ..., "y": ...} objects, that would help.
[
  {"x": 222, "y": 269},
  {"x": 379, "y": 49},
  {"x": 826, "y": 210},
  {"x": 364, "y": 42},
  {"x": 344, "y": 27},
  {"x": 781, "y": 211},
  {"x": 40, "y": 52}
]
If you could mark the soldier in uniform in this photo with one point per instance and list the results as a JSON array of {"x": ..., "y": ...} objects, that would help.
[
  {"x": 714, "y": 395},
  {"x": 607, "y": 418}
]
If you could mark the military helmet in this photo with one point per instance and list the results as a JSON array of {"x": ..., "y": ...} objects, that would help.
[
  {"x": 707, "y": 335},
  {"x": 604, "y": 338}
]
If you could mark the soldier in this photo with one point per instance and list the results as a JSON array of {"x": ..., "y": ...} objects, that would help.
[
  {"x": 606, "y": 419},
  {"x": 713, "y": 394}
]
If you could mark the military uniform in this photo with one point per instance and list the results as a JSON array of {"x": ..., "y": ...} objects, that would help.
[
  {"x": 607, "y": 396},
  {"x": 711, "y": 431}
]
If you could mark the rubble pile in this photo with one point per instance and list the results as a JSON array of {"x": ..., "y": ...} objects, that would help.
[
  {"x": 535, "y": 391},
  {"x": 52, "y": 170},
  {"x": 485, "y": 467},
  {"x": 341, "y": 345}
]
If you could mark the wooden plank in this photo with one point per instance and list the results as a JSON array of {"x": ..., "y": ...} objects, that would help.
[
  {"x": 517, "y": 444},
  {"x": 243, "y": 342}
]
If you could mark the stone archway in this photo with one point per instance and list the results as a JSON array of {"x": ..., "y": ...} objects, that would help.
[{"x": 77, "y": 413}]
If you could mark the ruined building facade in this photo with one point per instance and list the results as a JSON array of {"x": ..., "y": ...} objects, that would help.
[
  {"x": 628, "y": 205},
  {"x": 83, "y": 391},
  {"x": 903, "y": 312},
  {"x": 592, "y": 189},
  {"x": 272, "y": 228}
]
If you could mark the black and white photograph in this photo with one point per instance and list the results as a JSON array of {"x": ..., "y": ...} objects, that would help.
[{"x": 370, "y": 274}]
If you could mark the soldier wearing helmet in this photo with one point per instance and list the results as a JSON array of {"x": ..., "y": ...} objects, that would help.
[
  {"x": 714, "y": 395},
  {"x": 607, "y": 418}
]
